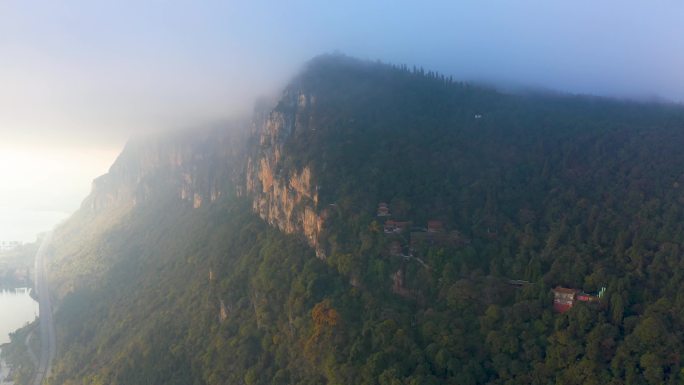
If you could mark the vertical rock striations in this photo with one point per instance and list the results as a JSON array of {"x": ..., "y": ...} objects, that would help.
[
  {"x": 200, "y": 166},
  {"x": 284, "y": 195}
]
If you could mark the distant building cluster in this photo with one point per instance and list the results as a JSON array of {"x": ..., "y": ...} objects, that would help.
[
  {"x": 434, "y": 234},
  {"x": 9, "y": 245}
]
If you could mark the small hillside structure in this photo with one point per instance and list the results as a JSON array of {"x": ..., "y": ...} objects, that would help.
[
  {"x": 383, "y": 210},
  {"x": 434, "y": 226},
  {"x": 564, "y": 298},
  {"x": 396, "y": 227}
]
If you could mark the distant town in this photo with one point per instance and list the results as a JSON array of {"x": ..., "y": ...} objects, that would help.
[
  {"x": 9, "y": 245},
  {"x": 15, "y": 264}
]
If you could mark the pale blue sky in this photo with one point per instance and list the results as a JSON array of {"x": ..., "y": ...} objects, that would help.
[{"x": 77, "y": 75}]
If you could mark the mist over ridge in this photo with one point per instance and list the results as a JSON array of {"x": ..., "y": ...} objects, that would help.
[
  {"x": 382, "y": 224},
  {"x": 371, "y": 193},
  {"x": 179, "y": 64}
]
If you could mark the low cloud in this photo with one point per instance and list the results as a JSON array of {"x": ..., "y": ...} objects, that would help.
[
  {"x": 83, "y": 76},
  {"x": 100, "y": 72}
]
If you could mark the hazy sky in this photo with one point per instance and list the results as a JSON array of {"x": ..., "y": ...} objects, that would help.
[{"x": 79, "y": 77}]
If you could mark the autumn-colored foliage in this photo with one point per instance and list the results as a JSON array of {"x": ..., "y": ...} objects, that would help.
[{"x": 324, "y": 315}]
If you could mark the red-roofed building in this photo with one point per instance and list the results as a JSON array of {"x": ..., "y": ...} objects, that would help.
[
  {"x": 435, "y": 226},
  {"x": 563, "y": 298}
]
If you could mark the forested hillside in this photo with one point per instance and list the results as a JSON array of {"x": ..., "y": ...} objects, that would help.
[{"x": 419, "y": 226}]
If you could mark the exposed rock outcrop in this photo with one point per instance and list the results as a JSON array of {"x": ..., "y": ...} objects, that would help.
[
  {"x": 197, "y": 166},
  {"x": 223, "y": 311},
  {"x": 200, "y": 166},
  {"x": 285, "y": 196}
]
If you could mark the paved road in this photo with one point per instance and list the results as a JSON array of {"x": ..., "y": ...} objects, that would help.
[
  {"x": 47, "y": 329},
  {"x": 29, "y": 348}
]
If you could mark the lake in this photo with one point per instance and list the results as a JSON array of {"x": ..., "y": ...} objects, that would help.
[{"x": 17, "y": 308}]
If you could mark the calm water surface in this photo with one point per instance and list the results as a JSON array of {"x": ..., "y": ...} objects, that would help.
[{"x": 17, "y": 308}]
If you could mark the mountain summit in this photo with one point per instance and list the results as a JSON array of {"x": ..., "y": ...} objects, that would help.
[{"x": 383, "y": 225}]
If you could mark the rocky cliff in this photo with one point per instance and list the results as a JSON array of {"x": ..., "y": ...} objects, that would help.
[
  {"x": 199, "y": 166},
  {"x": 283, "y": 194},
  {"x": 265, "y": 163},
  {"x": 190, "y": 168},
  {"x": 195, "y": 166}
]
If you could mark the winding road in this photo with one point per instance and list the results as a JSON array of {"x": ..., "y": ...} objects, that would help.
[{"x": 47, "y": 329}]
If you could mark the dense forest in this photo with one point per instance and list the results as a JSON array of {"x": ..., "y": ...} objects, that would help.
[{"x": 548, "y": 190}]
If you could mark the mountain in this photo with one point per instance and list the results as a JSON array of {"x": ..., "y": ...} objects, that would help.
[{"x": 384, "y": 225}]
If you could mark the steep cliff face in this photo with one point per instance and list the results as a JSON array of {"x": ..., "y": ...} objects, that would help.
[
  {"x": 200, "y": 166},
  {"x": 190, "y": 168},
  {"x": 196, "y": 166},
  {"x": 283, "y": 194}
]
